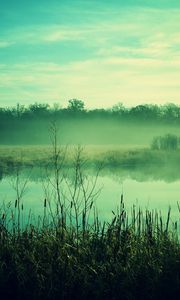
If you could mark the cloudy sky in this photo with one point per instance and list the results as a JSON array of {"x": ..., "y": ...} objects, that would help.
[{"x": 100, "y": 51}]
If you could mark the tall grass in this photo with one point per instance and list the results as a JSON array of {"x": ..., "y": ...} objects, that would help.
[
  {"x": 110, "y": 156},
  {"x": 133, "y": 256}
]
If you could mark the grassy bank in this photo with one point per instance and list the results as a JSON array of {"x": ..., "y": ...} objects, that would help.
[
  {"x": 109, "y": 156},
  {"x": 139, "y": 163}
]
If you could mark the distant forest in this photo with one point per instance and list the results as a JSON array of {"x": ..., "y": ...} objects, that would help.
[
  {"x": 78, "y": 125},
  {"x": 169, "y": 112}
]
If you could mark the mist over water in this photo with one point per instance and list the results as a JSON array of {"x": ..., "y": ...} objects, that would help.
[
  {"x": 120, "y": 139},
  {"x": 98, "y": 131},
  {"x": 138, "y": 188}
]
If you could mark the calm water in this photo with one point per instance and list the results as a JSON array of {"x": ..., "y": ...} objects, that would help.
[{"x": 150, "y": 194}]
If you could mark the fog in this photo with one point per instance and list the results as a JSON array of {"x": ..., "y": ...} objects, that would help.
[{"x": 95, "y": 131}]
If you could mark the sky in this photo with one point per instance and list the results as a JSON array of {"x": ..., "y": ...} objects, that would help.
[{"x": 102, "y": 52}]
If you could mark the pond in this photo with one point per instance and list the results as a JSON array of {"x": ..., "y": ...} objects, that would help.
[{"x": 140, "y": 191}]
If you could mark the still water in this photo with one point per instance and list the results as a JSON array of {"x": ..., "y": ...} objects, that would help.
[{"x": 145, "y": 193}]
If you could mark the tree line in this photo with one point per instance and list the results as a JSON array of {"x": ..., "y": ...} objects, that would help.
[{"x": 169, "y": 112}]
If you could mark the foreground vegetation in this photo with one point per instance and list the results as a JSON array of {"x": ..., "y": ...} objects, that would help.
[{"x": 131, "y": 257}]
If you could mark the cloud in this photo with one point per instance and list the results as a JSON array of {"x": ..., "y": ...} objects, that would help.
[
  {"x": 129, "y": 54},
  {"x": 5, "y": 44},
  {"x": 100, "y": 82},
  {"x": 132, "y": 32}
]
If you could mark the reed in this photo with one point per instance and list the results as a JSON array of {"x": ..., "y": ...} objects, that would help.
[{"x": 134, "y": 256}]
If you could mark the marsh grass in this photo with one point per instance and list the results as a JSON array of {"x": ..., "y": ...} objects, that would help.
[
  {"x": 112, "y": 156},
  {"x": 134, "y": 256}
]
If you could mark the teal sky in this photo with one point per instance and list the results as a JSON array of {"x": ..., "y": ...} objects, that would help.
[{"x": 102, "y": 52}]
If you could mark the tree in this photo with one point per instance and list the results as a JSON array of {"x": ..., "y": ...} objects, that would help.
[
  {"x": 19, "y": 110},
  {"x": 170, "y": 111},
  {"x": 118, "y": 108},
  {"x": 76, "y": 105},
  {"x": 38, "y": 109}
]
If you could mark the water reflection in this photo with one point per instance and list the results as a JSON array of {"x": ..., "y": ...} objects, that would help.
[{"x": 140, "y": 188}]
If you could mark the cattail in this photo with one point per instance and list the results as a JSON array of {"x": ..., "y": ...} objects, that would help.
[
  {"x": 83, "y": 219},
  {"x": 62, "y": 209},
  {"x": 45, "y": 202},
  {"x": 178, "y": 206},
  {"x": 175, "y": 225},
  {"x": 122, "y": 198},
  {"x": 168, "y": 219},
  {"x": 3, "y": 216},
  {"x": 22, "y": 207},
  {"x": 16, "y": 203}
]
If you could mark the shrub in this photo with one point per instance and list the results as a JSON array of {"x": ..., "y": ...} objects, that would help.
[{"x": 167, "y": 142}]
